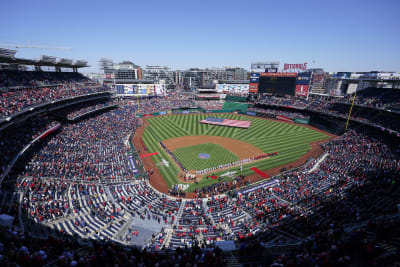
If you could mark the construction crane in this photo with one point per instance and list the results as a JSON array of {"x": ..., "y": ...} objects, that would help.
[{"x": 36, "y": 46}]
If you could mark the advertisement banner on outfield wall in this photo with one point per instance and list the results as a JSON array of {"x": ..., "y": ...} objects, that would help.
[
  {"x": 254, "y": 75},
  {"x": 302, "y": 120},
  {"x": 251, "y": 113},
  {"x": 303, "y": 78},
  {"x": 253, "y": 88},
  {"x": 301, "y": 90}
]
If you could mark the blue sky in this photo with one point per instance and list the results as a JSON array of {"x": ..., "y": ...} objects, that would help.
[{"x": 337, "y": 35}]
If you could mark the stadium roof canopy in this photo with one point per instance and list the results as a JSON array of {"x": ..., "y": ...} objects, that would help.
[
  {"x": 234, "y": 81},
  {"x": 131, "y": 81},
  {"x": 206, "y": 89},
  {"x": 7, "y": 56}
]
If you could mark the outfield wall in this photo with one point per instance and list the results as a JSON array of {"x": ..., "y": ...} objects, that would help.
[{"x": 199, "y": 110}]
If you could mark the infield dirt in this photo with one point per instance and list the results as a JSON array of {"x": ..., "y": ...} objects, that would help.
[{"x": 242, "y": 149}]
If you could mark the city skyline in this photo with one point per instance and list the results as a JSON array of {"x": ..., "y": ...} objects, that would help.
[{"x": 341, "y": 36}]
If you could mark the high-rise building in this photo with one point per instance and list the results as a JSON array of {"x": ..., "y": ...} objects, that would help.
[
  {"x": 206, "y": 78},
  {"x": 159, "y": 74},
  {"x": 124, "y": 72}
]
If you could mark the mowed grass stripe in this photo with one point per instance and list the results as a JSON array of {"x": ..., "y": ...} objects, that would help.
[
  {"x": 161, "y": 132},
  {"x": 188, "y": 156},
  {"x": 272, "y": 146},
  {"x": 153, "y": 132},
  {"x": 176, "y": 126},
  {"x": 275, "y": 161},
  {"x": 166, "y": 127},
  {"x": 272, "y": 162},
  {"x": 289, "y": 140},
  {"x": 169, "y": 172},
  {"x": 287, "y": 137},
  {"x": 178, "y": 120},
  {"x": 290, "y": 134},
  {"x": 169, "y": 128},
  {"x": 260, "y": 128},
  {"x": 284, "y": 129}
]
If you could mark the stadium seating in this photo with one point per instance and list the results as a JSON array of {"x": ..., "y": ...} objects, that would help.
[
  {"x": 80, "y": 183},
  {"x": 21, "y": 90}
]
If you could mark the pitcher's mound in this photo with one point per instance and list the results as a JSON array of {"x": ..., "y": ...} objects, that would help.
[{"x": 203, "y": 156}]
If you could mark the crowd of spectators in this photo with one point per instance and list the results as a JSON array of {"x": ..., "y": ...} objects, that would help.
[
  {"x": 35, "y": 88},
  {"x": 74, "y": 113},
  {"x": 85, "y": 170},
  {"x": 364, "y": 111},
  {"x": 24, "y": 250},
  {"x": 21, "y": 136},
  {"x": 13, "y": 101},
  {"x": 10, "y": 78},
  {"x": 210, "y": 104},
  {"x": 275, "y": 112},
  {"x": 299, "y": 103},
  {"x": 376, "y": 117},
  {"x": 157, "y": 104},
  {"x": 381, "y": 98},
  {"x": 335, "y": 246},
  {"x": 91, "y": 149}
]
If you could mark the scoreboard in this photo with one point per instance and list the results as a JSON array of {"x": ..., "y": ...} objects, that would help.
[{"x": 277, "y": 83}]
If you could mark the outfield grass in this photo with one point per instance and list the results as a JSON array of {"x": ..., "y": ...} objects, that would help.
[
  {"x": 289, "y": 140},
  {"x": 188, "y": 156}
]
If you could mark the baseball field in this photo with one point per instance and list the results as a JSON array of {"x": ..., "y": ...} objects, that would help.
[{"x": 198, "y": 146}]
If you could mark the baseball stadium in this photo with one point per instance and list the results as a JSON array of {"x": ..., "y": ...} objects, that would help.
[
  {"x": 191, "y": 151},
  {"x": 213, "y": 169},
  {"x": 286, "y": 162}
]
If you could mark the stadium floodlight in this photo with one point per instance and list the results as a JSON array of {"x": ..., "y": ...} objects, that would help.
[
  {"x": 7, "y": 53},
  {"x": 265, "y": 65}
]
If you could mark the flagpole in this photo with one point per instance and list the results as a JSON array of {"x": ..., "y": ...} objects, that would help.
[
  {"x": 138, "y": 104},
  {"x": 351, "y": 108}
]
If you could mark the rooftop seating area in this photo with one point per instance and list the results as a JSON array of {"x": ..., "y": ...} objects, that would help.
[
  {"x": 37, "y": 78},
  {"x": 35, "y": 88}
]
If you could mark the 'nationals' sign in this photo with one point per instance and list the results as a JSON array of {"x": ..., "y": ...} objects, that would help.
[{"x": 295, "y": 66}]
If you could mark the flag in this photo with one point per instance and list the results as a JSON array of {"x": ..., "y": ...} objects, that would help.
[
  {"x": 227, "y": 122},
  {"x": 283, "y": 118}
]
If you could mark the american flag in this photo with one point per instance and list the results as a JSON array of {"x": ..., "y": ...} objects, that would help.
[
  {"x": 227, "y": 122},
  {"x": 283, "y": 118}
]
